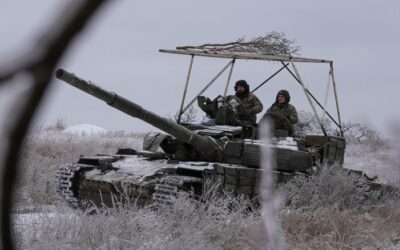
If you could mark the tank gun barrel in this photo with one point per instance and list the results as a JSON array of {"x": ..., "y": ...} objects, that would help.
[{"x": 203, "y": 144}]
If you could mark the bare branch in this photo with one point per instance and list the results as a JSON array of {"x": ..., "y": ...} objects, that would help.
[
  {"x": 189, "y": 116},
  {"x": 12, "y": 68},
  {"x": 273, "y": 43}
]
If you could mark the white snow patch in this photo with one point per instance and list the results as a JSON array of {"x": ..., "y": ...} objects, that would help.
[
  {"x": 281, "y": 142},
  {"x": 85, "y": 130}
]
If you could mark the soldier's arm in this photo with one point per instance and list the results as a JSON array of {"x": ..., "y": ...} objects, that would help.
[
  {"x": 257, "y": 106},
  {"x": 269, "y": 109},
  {"x": 293, "y": 115}
]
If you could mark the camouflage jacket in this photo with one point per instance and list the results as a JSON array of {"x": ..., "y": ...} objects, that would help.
[
  {"x": 288, "y": 110},
  {"x": 246, "y": 106}
]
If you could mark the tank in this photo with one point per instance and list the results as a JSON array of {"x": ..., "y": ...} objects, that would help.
[{"x": 184, "y": 159}]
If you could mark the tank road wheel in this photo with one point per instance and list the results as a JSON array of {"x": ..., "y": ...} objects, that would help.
[
  {"x": 67, "y": 182},
  {"x": 170, "y": 188}
]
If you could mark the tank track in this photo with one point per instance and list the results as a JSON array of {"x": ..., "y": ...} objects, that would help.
[{"x": 65, "y": 180}]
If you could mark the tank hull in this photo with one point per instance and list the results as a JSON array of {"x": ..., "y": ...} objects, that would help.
[{"x": 143, "y": 178}]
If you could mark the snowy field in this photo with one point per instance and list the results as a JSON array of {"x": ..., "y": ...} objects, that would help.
[{"x": 326, "y": 211}]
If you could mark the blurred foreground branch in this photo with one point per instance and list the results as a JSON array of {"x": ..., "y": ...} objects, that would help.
[
  {"x": 39, "y": 64},
  {"x": 270, "y": 202}
]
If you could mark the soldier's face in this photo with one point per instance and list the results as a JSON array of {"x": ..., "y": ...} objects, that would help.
[
  {"x": 240, "y": 89},
  {"x": 281, "y": 99}
]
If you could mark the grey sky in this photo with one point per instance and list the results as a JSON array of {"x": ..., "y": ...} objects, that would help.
[{"x": 120, "y": 53}]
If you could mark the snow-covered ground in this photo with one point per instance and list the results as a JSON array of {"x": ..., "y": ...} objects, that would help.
[
  {"x": 188, "y": 224},
  {"x": 382, "y": 160}
]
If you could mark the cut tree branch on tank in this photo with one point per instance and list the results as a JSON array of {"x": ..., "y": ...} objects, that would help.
[{"x": 272, "y": 43}]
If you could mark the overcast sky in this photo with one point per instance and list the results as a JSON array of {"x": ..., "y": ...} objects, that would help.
[{"x": 119, "y": 51}]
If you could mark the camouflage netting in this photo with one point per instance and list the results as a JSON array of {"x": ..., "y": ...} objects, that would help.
[{"x": 273, "y": 43}]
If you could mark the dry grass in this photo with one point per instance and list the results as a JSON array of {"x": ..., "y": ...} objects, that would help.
[
  {"x": 218, "y": 222},
  {"x": 325, "y": 211},
  {"x": 346, "y": 229},
  {"x": 331, "y": 211}
]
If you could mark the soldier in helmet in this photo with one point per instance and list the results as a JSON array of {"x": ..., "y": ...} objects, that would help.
[
  {"x": 246, "y": 104},
  {"x": 283, "y": 114}
]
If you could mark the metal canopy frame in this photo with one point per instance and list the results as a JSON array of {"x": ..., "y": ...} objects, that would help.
[{"x": 284, "y": 59}]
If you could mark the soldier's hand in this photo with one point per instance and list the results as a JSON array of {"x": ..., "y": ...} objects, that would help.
[
  {"x": 243, "y": 111},
  {"x": 201, "y": 100},
  {"x": 273, "y": 114},
  {"x": 240, "y": 109}
]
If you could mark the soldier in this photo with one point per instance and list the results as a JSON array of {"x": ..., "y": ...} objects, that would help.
[
  {"x": 246, "y": 104},
  {"x": 283, "y": 114}
]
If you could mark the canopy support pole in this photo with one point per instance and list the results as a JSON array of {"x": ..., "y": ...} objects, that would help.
[
  {"x": 312, "y": 96},
  {"x": 229, "y": 77},
  {"x": 326, "y": 97},
  {"x": 336, "y": 98},
  {"x": 308, "y": 97},
  {"x": 185, "y": 89},
  {"x": 207, "y": 86},
  {"x": 269, "y": 78}
]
